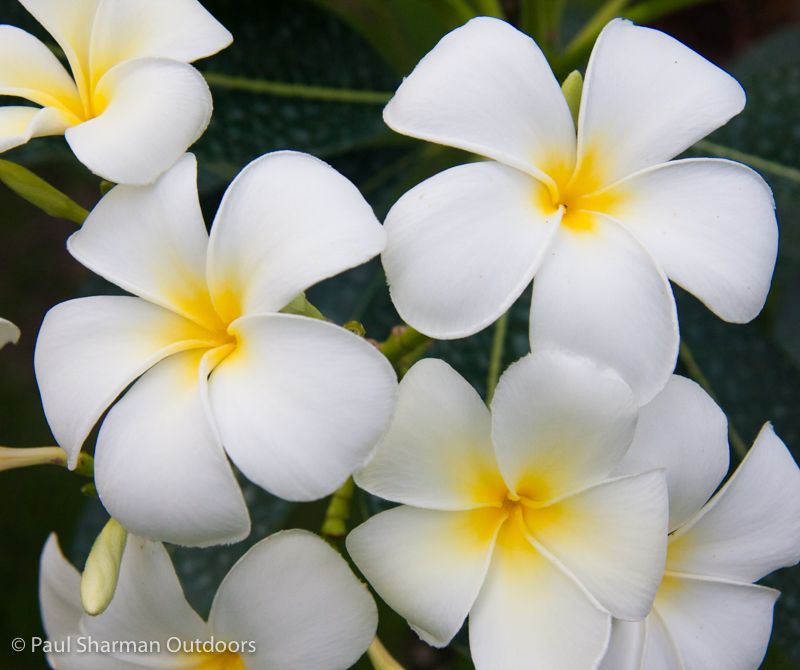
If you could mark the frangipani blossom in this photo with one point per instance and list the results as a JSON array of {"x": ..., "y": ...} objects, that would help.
[
  {"x": 133, "y": 103},
  {"x": 298, "y": 403},
  {"x": 9, "y": 333},
  {"x": 708, "y": 613},
  {"x": 597, "y": 216},
  {"x": 511, "y": 517},
  {"x": 290, "y": 602}
]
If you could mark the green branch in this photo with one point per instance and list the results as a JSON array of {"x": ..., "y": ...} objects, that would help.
[
  {"x": 496, "y": 357},
  {"x": 38, "y": 192},
  {"x": 755, "y": 162},
  {"x": 285, "y": 90},
  {"x": 404, "y": 347}
]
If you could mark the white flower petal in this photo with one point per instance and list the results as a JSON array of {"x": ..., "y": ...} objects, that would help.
[
  {"x": 90, "y": 349},
  {"x": 9, "y": 333},
  {"x": 752, "y": 525},
  {"x": 487, "y": 88},
  {"x": 428, "y": 565},
  {"x": 646, "y": 98},
  {"x": 70, "y": 23},
  {"x": 717, "y": 624},
  {"x": 530, "y": 615},
  {"x": 612, "y": 538},
  {"x": 661, "y": 651},
  {"x": 59, "y": 592},
  {"x": 438, "y": 452},
  {"x": 179, "y": 29},
  {"x": 684, "y": 431},
  {"x": 603, "y": 296},
  {"x": 626, "y": 647},
  {"x": 297, "y": 599},
  {"x": 286, "y": 222},
  {"x": 151, "y": 241},
  {"x": 151, "y": 110},
  {"x": 148, "y": 605},
  {"x": 711, "y": 226},
  {"x": 301, "y": 404},
  {"x": 463, "y": 245},
  {"x": 160, "y": 469},
  {"x": 20, "y": 124},
  {"x": 560, "y": 423},
  {"x": 29, "y": 69}
]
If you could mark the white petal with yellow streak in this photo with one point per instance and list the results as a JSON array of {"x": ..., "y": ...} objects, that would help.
[
  {"x": 20, "y": 124},
  {"x": 751, "y": 527},
  {"x": 560, "y": 423},
  {"x": 717, "y": 624},
  {"x": 463, "y": 245},
  {"x": 428, "y": 565},
  {"x": 646, "y": 98},
  {"x": 286, "y": 222},
  {"x": 602, "y": 295},
  {"x": 531, "y": 615},
  {"x": 301, "y": 404},
  {"x": 487, "y": 88},
  {"x": 160, "y": 468},
  {"x": 612, "y": 538},
  {"x": 28, "y": 69},
  {"x": 438, "y": 452},
  {"x": 685, "y": 432},
  {"x": 151, "y": 241},
  {"x": 90, "y": 349},
  {"x": 147, "y": 112}
]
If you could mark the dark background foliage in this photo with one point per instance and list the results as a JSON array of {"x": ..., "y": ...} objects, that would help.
[{"x": 753, "y": 369}]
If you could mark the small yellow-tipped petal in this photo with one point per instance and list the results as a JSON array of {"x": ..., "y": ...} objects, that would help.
[
  {"x": 100, "y": 575},
  {"x": 20, "y": 458},
  {"x": 572, "y": 88}
]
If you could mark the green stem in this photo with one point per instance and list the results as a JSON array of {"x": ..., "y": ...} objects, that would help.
[
  {"x": 647, "y": 12},
  {"x": 496, "y": 357},
  {"x": 755, "y": 162},
  {"x": 588, "y": 34},
  {"x": 285, "y": 90},
  {"x": 334, "y": 527},
  {"x": 687, "y": 358},
  {"x": 489, "y": 8},
  {"x": 404, "y": 347},
  {"x": 38, "y": 192},
  {"x": 380, "y": 658}
]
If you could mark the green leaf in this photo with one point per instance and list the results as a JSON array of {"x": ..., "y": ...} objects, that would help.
[{"x": 39, "y": 193}]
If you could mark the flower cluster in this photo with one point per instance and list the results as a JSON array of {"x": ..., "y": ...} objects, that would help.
[{"x": 574, "y": 521}]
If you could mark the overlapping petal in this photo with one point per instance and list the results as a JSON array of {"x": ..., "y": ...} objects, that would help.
[
  {"x": 684, "y": 431},
  {"x": 152, "y": 241},
  {"x": 147, "y": 111},
  {"x": 530, "y": 615},
  {"x": 20, "y": 124},
  {"x": 626, "y": 646},
  {"x": 438, "y": 453},
  {"x": 298, "y": 601},
  {"x": 270, "y": 241},
  {"x": 428, "y": 564},
  {"x": 559, "y": 424},
  {"x": 646, "y": 98},
  {"x": 716, "y": 624},
  {"x": 711, "y": 226},
  {"x": 301, "y": 403},
  {"x": 751, "y": 526},
  {"x": 90, "y": 349},
  {"x": 601, "y": 295},
  {"x": 487, "y": 88},
  {"x": 59, "y": 592},
  {"x": 463, "y": 245},
  {"x": 612, "y": 538},
  {"x": 160, "y": 468},
  {"x": 661, "y": 652}
]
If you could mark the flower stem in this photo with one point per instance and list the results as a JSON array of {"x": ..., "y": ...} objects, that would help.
[
  {"x": 755, "y": 162},
  {"x": 334, "y": 527},
  {"x": 496, "y": 357},
  {"x": 687, "y": 358},
  {"x": 404, "y": 347},
  {"x": 382, "y": 659},
  {"x": 38, "y": 192}
]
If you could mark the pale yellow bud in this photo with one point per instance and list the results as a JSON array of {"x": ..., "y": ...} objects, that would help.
[
  {"x": 382, "y": 659},
  {"x": 100, "y": 575},
  {"x": 20, "y": 458}
]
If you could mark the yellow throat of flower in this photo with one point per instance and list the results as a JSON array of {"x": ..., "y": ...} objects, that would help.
[{"x": 227, "y": 660}]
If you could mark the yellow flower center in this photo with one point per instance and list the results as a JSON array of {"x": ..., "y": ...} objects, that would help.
[{"x": 227, "y": 660}]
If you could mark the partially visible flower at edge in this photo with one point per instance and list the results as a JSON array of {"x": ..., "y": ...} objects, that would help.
[
  {"x": 133, "y": 104},
  {"x": 708, "y": 613},
  {"x": 298, "y": 403},
  {"x": 291, "y": 601},
  {"x": 512, "y": 517},
  {"x": 599, "y": 216},
  {"x": 9, "y": 333}
]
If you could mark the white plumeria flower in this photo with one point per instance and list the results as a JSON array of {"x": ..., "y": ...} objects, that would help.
[
  {"x": 511, "y": 517},
  {"x": 133, "y": 103},
  {"x": 599, "y": 217},
  {"x": 291, "y": 597},
  {"x": 298, "y": 403},
  {"x": 9, "y": 333},
  {"x": 708, "y": 613}
]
